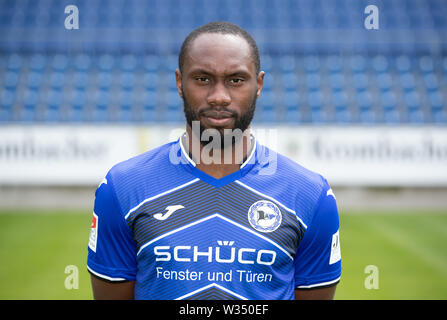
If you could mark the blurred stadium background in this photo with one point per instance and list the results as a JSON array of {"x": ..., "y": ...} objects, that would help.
[{"x": 366, "y": 108}]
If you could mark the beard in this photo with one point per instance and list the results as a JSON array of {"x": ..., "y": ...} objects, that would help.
[{"x": 241, "y": 122}]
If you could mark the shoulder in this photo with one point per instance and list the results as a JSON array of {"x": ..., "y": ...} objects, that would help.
[
  {"x": 146, "y": 163},
  {"x": 288, "y": 182},
  {"x": 299, "y": 175},
  {"x": 145, "y": 175},
  {"x": 279, "y": 170}
]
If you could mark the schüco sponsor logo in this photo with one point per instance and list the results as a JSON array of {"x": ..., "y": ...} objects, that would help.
[{"x": 225, "y": 252}]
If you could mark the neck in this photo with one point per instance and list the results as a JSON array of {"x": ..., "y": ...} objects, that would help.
[{"x": 214, "y": 160}]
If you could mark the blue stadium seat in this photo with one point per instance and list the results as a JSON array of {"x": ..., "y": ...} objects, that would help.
[
  {"x": 291, "y": 101},
  {"x": 341, "y": 115},
  {"x": 415, "y": 115},
  {"x": 435, "y": 100},
  {"x": 403, "y": 64},
  {"x": 431, "y": 82},
  {"x": 7, "y": 99},
  {"x": 127, "y": 80},
  {"x": 125, "y": 114},
  {"x": 128, "y": 63},
  {"x": 315, "y": 99},
  {"x": 268, "y": 115},
  {"x": 82, "y": 62},
  {"x": 150, "y": 80},
  {"x": 104, "y": 80},
  {"x": 266, "y": 99},
  {"x": 439, "y": 117},
  {"x": 380, "y": 63},
  {"x": 54, "y": 99},
  {"x": 14, "y": 62},
  {"x": 34, "y": 80},
  {"x": 337, "y": 81},
  {"x": 426, "y": 64},
  {"x": 57, "y": 80},
  {"x": 312, "y": 63},
  {"x": 313, "y": 81},
  {"x": 60, "y": 62},
  {"x": 293, "y": 114},
  {"x": 366, "y": 115},
  {"x": 106, "y": 62},
  {"x": 384, "y": 81},
  {"x": 37, "y": 62},
  {"x": 77, "y": 99},
  {"x": 268, "y": 82},
  {"x": 76, "y": 114},
  {"x": 80, "y": 80},
  {"x": 100, "y": 114},
  {"x": 52, "y": 114},
  {"x": 151, "y": 63},
  {"x": 11, "y": 80},
  {"x": 334, "y": 64},
  {"x": 290, "y": 81},
  {"x": 287, "y": 63},
  {"x": 5, "y": 115},
  {"x": 318, "y": 115},
  {"x": 357, "y": 63},
  {"x": 266, "y": 63},
  {"x": 127, "y": 100},
  {"x": 407, "y": 81},
  {"x": 27, "y": 114},
  {"x": 360, "y": 81},
  {"x": 30, "y": 99}
]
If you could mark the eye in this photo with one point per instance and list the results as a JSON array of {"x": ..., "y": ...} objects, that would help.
[
  {"x": 236, "y": 81},
  {"x": 202, "y": 79}
]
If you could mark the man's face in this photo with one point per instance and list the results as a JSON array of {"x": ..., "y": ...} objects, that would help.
[{"x": 219, "y": 85}]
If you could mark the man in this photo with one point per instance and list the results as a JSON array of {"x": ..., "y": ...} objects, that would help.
[{"x": 230, "y": 221}]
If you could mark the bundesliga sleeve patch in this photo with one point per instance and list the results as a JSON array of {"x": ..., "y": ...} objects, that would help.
[
  {"x": 93, "y": 233},
  {"x": 335, "y": 249}
]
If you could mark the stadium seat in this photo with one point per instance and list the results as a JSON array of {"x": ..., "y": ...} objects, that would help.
[
  {"x": 357, "y": 63},
  {"x": 37, "y": 62},
  {"x": 266, "y": 99},
  {"x": 11, "y": 80},
  {"x": 127, "y": 80},
  {"x": 313, "y": 81},
  {"x": 318, "y": 115},
  {"x": 431, "y": 82},
  {"x": 34, "y": 80},
  {"x": 407, "y": 81},
  {"x": 360, "y": 81},
  {"x": 366, "y": 115},
  {"x": 290, "y": 81}
]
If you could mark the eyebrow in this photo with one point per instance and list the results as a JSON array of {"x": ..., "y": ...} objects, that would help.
[{"x": 207, "y": 72}]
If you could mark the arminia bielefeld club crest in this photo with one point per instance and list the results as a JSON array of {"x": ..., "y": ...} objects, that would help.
[{"x": 264, "y": 216}]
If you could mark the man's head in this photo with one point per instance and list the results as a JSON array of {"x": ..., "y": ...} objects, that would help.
[{"x": 219, "y": 77}]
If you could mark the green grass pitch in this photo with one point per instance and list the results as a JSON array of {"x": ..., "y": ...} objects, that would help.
[{"x": 408, "y": 250}]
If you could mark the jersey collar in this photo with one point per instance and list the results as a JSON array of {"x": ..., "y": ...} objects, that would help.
[{"x": 246, "y": 166}]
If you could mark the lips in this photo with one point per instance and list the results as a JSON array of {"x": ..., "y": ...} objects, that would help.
[
  {"x": 217, "y": 118},
  {"x": 217, "y": 114}
]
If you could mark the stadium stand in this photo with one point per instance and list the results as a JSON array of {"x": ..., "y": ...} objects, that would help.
[{"x": 322, "y": 68}]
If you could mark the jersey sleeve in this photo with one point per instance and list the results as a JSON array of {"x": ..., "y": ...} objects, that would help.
[
  {"x": 111, "y": 248},
  {"x": 318, "y": 259}
]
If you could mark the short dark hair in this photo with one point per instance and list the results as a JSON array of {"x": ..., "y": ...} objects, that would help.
[{"x": 221, "y": 27}]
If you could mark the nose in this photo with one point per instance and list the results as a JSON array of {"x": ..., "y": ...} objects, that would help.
[{"x": 218, "y": 95}]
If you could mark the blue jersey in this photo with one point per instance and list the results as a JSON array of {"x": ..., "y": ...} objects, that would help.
[{"x": 179, "y": 233}]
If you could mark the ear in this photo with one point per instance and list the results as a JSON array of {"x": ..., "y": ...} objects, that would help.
[
  {"x": 178, "y": 81},
  {"x": 260, "y": 82}
]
